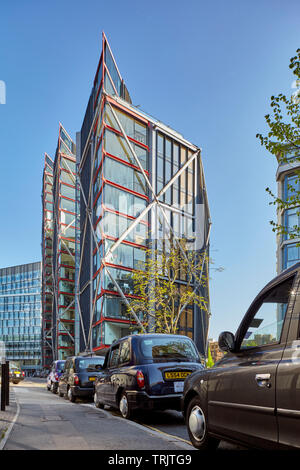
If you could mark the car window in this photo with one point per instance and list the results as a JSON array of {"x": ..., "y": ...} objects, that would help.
[
  {"x": 60, "y": 366},
  {"x": 124, "y": 355},
  {"x": 266, "y": 324},
  {"x": 169, "y": 348},
  {"x": 89, "y": 363},
  {"x": 114, "y": 355}
]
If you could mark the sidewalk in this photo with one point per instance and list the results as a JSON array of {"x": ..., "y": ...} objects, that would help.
[{"x": 7, "y": 416}]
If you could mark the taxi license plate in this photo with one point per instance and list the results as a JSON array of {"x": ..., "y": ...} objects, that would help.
[
  {"x": 176, "y": 375},
  {"x": 92, "y": 379}
]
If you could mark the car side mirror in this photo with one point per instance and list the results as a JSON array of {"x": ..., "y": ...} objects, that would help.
[{"x": 226, "y": 341}]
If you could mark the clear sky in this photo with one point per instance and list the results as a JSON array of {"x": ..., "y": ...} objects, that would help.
[{"x": 207, "y": 69}]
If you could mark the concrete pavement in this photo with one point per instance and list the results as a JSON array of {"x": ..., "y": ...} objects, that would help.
[{"x": 48, "y": 422}]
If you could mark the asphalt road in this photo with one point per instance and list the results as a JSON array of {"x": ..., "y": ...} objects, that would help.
[{"x": 46, "y": 421}]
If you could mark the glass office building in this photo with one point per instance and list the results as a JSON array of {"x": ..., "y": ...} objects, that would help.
[
  {"x": 137, "y": 176},
  {"x": 21, "y": 315}
]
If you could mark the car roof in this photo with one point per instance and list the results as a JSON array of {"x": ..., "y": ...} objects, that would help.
[{"x": 148, "y": 335}]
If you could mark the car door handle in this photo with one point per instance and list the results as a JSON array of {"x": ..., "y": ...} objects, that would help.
[{"x": 262, "y": 380}]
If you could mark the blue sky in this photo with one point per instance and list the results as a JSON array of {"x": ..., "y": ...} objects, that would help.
[{"x": 207, "y": 69}]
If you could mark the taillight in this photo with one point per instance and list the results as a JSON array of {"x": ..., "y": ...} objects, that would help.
[
  {"x": 76, "y": 379},
  {"x": 140, "y": 379}
]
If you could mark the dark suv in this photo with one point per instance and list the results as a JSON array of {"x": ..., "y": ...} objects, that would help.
[
  {"x": 147, "y": 372},
  {"x": 79, "y": 375},
  {"x": 252, "y": 395}
]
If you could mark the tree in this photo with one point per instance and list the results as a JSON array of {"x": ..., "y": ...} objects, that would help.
[
  {"x": 160, "y": 298},
  {"x": 283, "y": 141},
  {"x": 209, "y": 361}
]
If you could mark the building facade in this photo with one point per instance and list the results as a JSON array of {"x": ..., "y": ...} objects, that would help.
[
  {"x": 288, "y": 184},
  {"x": 139, "y": 179},
  {"x": 59, "y": 250},
  {"x": 47, "y": 255},
  {"x": 215, "y": 351},
  {"x": 21, "y": 315}
]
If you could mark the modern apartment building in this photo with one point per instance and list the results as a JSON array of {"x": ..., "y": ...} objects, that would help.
[
  {"x": 47, "y": 255},
  {"x": 59, "y": 248},
  {"x": 288, "y": 183},
  {"x": 139, "y": 179},
  {"x": 21, "y": 315}
]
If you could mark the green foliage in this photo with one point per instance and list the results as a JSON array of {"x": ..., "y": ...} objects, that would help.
[
  {"x": 209, "y": 361},
  {"x": 283, "y": 141},
  {"x": 159, "y": 297}
]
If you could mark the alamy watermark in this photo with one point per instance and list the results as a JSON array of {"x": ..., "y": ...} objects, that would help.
[{"x": 2, "y": 92}]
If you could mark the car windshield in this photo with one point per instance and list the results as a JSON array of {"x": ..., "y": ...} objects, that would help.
[
  {"x": 60, "y": 366},
  {"x": 89, "y": 363},
  {"x": 169, "y": 349}
]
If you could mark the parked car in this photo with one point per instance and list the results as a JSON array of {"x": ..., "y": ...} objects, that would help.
[
  {"x": 146, "y": 372},
  {"x": 252, "y": 395},
  {"x": 15, "y": 374},
  {"x": 77, "y": 379},
  {"x": 53, "y": 378}
]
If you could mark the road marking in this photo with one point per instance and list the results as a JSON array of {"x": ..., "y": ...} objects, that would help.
[{"x": 180, "y": 442}]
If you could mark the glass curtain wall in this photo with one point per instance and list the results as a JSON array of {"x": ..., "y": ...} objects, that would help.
[{"x": 21, "y": 315}]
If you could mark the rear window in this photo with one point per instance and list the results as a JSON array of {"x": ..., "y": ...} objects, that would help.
[
  {"x": 88, "y": 363},
  {"x": 169, "y": 349},
  {"x": 60, "y": 366}
]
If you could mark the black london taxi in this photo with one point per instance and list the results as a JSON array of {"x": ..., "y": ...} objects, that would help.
[
  {"x": 78, "y": 376},
  {"x": 146, "y": 372},
  {"x": 252, "y": 395}
]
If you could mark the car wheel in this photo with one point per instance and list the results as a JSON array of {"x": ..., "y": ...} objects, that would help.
[
  {"x": 60, "y": 393},
  {"x": 124, "y": 406},
  {"x": 197, "y": 427},
  {"x": 97, "y": 402},
  {"x": 71, "y": 397}
]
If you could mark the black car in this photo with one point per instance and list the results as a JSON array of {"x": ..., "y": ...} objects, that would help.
[
  {"x": 15, "y": 373},
  {"x": 252, "y": 395},
  {"x": 146, "y": 372},
  {"x": 77, "y": 379}
]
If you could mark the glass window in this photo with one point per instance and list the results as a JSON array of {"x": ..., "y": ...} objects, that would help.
[
  {"x": 124, "y": 356},
  {"x": 123, "y": 201},
  {"x": 291, "y": 255},
  {"x": 267, "y": 322},
  {"x": 124, "y": 175},
  {"x": 291, "y": 187},
  {"x": 160, "y": 145},
  {"x": 167, "y": 348},
  {"x": 292, "y": 222},
  {"x": 112, "y": 70},
  {"x": 114, "y": 355}
]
